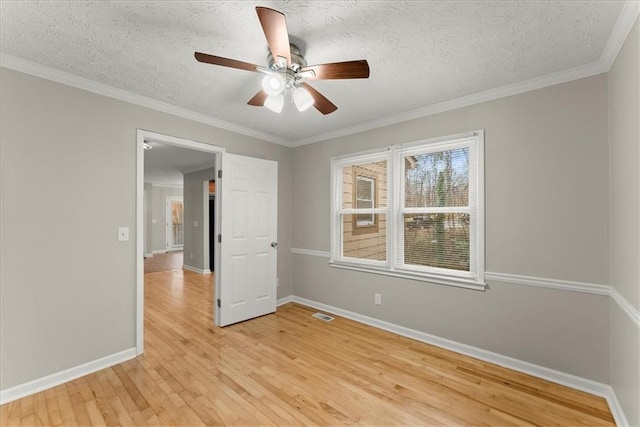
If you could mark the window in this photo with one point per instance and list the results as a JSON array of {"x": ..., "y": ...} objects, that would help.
[
  {"x": 412, "y": 210},
  {"x": 364, "y": 195}
]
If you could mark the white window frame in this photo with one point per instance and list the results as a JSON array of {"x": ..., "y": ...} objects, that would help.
[
  {"x": 372, "y": 185},
  {"x": 394, "y": 264}
]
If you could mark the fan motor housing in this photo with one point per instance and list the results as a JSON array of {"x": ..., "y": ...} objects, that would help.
[{"x": 297, "y": 59}]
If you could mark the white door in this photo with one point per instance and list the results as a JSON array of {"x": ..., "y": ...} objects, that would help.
[
  {"x": 174, "y": 223},
  {"x": 248, "y": 249}
]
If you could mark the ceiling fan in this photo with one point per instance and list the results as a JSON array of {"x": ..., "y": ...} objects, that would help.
[{"x": 287, "y": 70}]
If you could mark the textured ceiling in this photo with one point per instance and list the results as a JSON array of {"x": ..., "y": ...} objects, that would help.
[
  {"x": 166, "y": 164},
  {"x": 420, "y": 53}
]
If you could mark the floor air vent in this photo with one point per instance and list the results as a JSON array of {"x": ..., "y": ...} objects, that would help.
[{"x": 322, "y": 317}]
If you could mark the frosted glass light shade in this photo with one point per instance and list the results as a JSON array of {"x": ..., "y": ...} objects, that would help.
[
  {"x": 302, "y": 99},
  {"x": 274, "y": 103},
  {"x": 273, "y": 84}
]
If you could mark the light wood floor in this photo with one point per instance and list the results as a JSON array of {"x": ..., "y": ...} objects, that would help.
[
  {"x": 292, "y": 369},
  {"x": 163, "y": 262}
]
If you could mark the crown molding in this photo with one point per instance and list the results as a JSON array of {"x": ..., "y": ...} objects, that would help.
[
  {"x": 620, "y": 32},
  {"x": 465, "y": 101},
  {"x": 42, "y": 71},
  {"x": 624, "y": 23}
]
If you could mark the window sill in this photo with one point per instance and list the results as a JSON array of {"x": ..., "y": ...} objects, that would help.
[{"x": 423, "y": 277}]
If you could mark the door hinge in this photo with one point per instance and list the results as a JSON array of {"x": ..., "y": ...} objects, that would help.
[
  {"x": 218, "y": 302},
  {"x": 219, "y": 238},
  {"x": 220, "y": 173}
]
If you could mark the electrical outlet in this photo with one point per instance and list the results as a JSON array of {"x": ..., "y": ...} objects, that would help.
[
  {"x": 377, "y": 298},
  {"x": 191, "y": 255},
  {"x": 277, "y": 282}
]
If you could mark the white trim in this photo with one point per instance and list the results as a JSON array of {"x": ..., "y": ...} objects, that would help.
[
  {"x": 140, "y": 225},
  {"x": 34, "y": 69},
  {"x": 552, "y": 79},
  {"x": 616, "y": 408},
  {"x": 159, "y": 251},
  {"x": 17, "y": 392},
  {"x": 616, "y": 40},
  {"x": 448, "y": 281},
  {"x": 310, "y": 252},
  {"x": 540, "y": 282},
  {"x": 626, "y": 306},
  {"x": 563, "y": 285},
  {"x": 569, "y": 380},
  {"x": 620, "y": 32},
  {"x": 149, "y": 255},
  {"x": 165, "y": 185},
  {"x": 141, "y": 137},
  {"x": 285, "y": 300},
  {"x": 195, "y": 269},
  {"x": 394, "y": 262}
]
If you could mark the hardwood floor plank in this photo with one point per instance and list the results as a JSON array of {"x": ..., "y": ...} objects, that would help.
[
  {"x": 289, "y": 368},
  {"x": 79, "y": 409}
]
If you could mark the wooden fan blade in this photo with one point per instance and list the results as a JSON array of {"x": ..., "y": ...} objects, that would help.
[
  {"x": 339, "y": 70},
  {"x": 274, "y": 26},
  {"x": 258, "y": 99},
  {"x": 321, "y": 103},
  {"x": 225, "y": 62}
]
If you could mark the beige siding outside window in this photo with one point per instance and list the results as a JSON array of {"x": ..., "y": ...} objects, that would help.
[{"x": 364, "y": 186}]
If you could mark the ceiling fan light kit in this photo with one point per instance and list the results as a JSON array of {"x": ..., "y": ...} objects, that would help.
[
  {"x": 275, "y": 103},
  {"x": 302, "y": 99},
  {"x": 273, "y": 84},
  {"x": 287, "y": 69}
]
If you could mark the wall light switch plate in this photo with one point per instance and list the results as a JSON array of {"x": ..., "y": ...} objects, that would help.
[
  {"x": 195, "y": 223},
  {"x": 123, "y": 234}
]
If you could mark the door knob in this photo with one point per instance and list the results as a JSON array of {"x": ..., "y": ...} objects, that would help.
[{"x": 274, "y": 244}]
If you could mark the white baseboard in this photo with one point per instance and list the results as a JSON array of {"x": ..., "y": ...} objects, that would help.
[
  {"x": 149, "y": 255},
  {"x": 569, "y": 380},
  {"x": 616, "y": 409},
  {"x": 195, "y": 269},
  {"x": 44, "y": 383},
  {"x": 159, "y": 251},
  {"x": 285, "y": 300}
]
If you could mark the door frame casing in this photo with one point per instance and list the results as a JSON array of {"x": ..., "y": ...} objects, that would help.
[{"x": 142, "y": 136}]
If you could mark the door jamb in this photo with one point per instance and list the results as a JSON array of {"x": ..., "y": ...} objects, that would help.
[{"x": 142, "y": 136}]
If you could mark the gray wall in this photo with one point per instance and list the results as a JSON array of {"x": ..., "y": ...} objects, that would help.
[
  {"x": 195, "y": 253},
  {"x": 546, "y": 216},
  {"x": 552, "y": 211},
  {"x": 158, "y": 201},
  {"x": 59, "y": 306},
  {"x": 624, "y": 187}
]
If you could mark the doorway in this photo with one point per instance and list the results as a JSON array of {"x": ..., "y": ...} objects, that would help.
[
  {"x": 197, "y": 227},
  {"x": 247, "y": 285}
]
